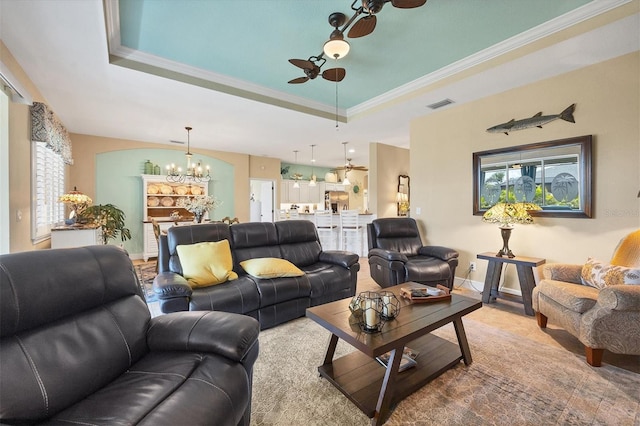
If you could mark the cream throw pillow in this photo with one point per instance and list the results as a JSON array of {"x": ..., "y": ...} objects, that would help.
[
  {"x": 600, "y": 275},
  {"x": 270, "y": 267},
  {"x": 206, "y": 264}
]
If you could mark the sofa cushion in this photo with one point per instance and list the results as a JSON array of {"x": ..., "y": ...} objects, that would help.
[
  {"x": 207, "y": 263},
  {"x": 299, "y": 242},
  {"x": 328, "y": 282},
  {"x": 238, "y": 296},
  {"x": 600, "y": 275},
  {"x": 169, "y": 388},
  {"x": 575, "y": 297},
  {"x": 426, "y": 268},
  {"x": 270, "y": 267},
  {"x": 252, "y": 240}
]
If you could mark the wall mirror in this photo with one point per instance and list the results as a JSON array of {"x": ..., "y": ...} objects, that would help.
[
  {"x": 403, "y": 195},
  {"x": 556, "y": 175}
]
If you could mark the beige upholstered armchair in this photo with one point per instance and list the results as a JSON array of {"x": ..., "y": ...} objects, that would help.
[{"x": 601, "y": 318}]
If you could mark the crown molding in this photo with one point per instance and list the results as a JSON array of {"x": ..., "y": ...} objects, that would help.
[{"x": 541, "y": 31}]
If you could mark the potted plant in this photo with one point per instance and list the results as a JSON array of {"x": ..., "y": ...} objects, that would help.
[{"x": 110, "y": 219}]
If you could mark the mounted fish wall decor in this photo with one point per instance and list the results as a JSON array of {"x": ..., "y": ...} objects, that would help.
[{"x": 537, "y": 120}]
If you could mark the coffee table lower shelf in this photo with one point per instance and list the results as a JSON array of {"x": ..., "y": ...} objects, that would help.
[{"x": 360, "y": 378}]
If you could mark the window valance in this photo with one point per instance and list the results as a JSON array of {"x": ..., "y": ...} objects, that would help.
[{"x": 45, "y": 127}]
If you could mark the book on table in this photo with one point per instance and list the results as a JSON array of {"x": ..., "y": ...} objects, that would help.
[{"x": 408, "y": 359}]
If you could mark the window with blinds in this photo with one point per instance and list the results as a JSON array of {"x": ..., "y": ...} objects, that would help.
[{"x": 48, "y": 185}]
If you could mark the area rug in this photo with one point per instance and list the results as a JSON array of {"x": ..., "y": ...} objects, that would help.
[
  {"x": 146, "y": 273},
  {"x": 512, "y": 381}
]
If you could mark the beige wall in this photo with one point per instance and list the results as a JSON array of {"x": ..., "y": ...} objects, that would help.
[
  {"x": 607, "y": 98},
  {"x": 86, "y": 147},
  {"x": 20, "y": 161},
  {"x": 387, "y": 163}
]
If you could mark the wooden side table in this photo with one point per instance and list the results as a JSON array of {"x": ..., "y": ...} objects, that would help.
[{"x": 524, "y": 266}]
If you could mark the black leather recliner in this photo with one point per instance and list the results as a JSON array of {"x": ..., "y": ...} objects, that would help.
[
  {"x": 397, "y": 255},
  {"x": 78, "y": 346}
]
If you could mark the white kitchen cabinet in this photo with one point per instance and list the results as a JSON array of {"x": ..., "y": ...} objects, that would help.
[
  {"x": 335, "y": 187},
  {"x": 305, "y": 194}
]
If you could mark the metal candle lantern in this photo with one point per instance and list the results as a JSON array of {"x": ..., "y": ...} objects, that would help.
[
  {"x": 390, "y": 305},
  {"x": 371, "y": 307},
  {"x": 355, "y": 306}
]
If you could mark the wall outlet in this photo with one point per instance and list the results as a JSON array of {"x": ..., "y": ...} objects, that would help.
[{"x": 472, "y": 266}]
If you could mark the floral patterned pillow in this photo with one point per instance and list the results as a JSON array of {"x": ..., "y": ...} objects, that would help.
[{"x": 601, "y": 275}]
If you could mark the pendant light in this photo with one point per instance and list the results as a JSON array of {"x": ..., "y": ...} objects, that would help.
[
  {"x": 346, "y": 165},
  {"x": 312, "y": 181},
  {"x": 295, "y": 178},
  {"x": 194, "y": 172}
]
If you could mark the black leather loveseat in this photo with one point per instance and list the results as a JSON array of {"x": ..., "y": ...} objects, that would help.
[
  {"x": 78, "y": 346},
  {"x": 329, "y": 275},
  {"x": 397, "y": 255}
]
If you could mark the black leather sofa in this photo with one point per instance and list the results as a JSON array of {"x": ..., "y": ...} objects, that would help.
[
  {"x": 329, "y": 275},
  {"x": 78, "y": 346},
  {"x": 396, "y": 255}
]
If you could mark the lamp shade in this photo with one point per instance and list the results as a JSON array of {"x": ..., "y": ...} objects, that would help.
[
  {"x": 336, "y": 48},
  {"x": 507, "y": 214}
]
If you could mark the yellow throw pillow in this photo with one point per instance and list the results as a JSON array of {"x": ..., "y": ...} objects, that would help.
[
  {"x": 270, "y": 267},
  {"x": 206, "y": 264},
  {"x": 600, "y": 275}
]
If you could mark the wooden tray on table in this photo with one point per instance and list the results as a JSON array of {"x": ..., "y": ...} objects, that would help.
[{"x": 426, "y": 294}]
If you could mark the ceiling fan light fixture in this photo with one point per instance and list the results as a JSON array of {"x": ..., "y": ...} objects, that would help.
[
  {"x": 336, "y": 47},
  {"x": 372, "y": 6}
]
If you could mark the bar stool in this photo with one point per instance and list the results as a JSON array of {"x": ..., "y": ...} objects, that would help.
[
  {"x": 294, "y": 214},
  {"x": 351, "y": 231},
  {"x": 326, "y": 228}
]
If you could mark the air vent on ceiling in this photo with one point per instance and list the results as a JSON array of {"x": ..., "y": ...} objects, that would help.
[
  {"x": 440, "y": 104},
  {"x": 178, "y": 142}
]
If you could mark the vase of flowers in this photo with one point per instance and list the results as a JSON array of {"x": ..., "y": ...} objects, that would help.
[{"x": 199, "y": 205}]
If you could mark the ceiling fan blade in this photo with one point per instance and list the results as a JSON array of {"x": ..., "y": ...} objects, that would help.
[
  {"x": 298, "y": 80},
  {"x": 363, "y": 27},
  {"x": 408, "y": 4},
  {"x": 334, "y": 74},
  {"x": 302, "y": 63}
]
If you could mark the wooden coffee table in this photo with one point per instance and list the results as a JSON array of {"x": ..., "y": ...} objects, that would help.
[{"x": 371, "y": 387}]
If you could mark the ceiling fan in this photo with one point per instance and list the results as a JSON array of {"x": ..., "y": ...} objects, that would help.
[
  {"x": 311, "y": 68},
  {"x": 348, "y": 167},
  {"x": 363, "y": 27},
  {"x": 367, "y": 24}
]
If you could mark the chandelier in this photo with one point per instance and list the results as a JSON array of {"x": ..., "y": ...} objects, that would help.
[{"x": 194, "y": 172}]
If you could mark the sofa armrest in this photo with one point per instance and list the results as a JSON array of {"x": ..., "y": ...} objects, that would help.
[
  {"x": 223, "y": 333},
  {"x": 620, "y": 298},
  {"x": 337, "y": 257},
  {"x": 444, "y": 253},
  {"x": 169, "y": 284},
  {"x": 388, "y": 255},
  {"x": 562, "y": 272}
]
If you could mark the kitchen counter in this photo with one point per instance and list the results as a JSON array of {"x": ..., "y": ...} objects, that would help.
[{"x": 337, "y": 214}]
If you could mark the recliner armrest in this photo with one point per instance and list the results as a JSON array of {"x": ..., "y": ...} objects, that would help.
[
  {"x": 169, "y": 284},
  {"x": 223, "y": 333},
  {"x": 444, "y": 253},
  {"x": 388, "y": 255},
  {"x": 339, "y": 257}
]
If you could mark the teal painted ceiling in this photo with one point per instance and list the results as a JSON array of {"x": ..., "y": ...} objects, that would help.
[
  {"x": 252, "y": 40},
  {"x": 142, "y": 70}
]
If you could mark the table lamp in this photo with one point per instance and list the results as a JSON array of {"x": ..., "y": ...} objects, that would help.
[
  {"x": 507, "y": 214},
  {"x": 78, "y": 202}
]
